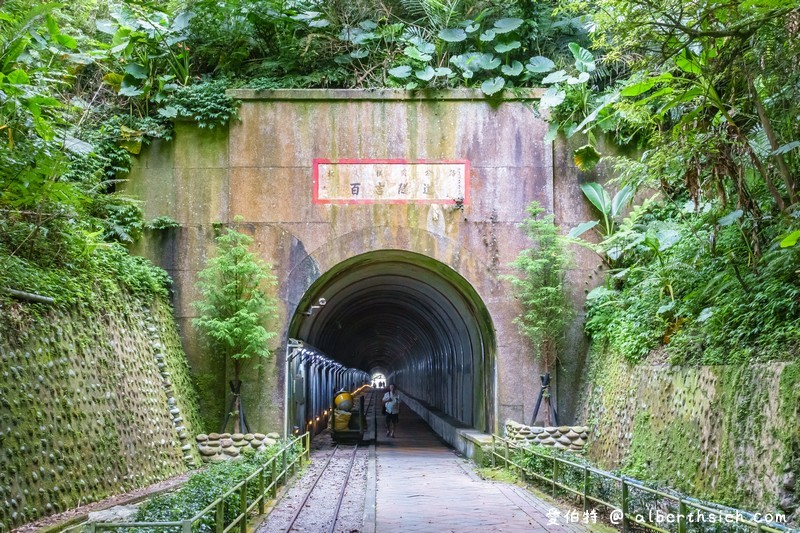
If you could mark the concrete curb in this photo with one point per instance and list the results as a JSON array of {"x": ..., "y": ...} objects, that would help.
[{"x": 370, "y": 521}]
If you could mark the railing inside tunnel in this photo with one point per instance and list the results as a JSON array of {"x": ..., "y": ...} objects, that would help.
[{"x": 311, "y": 379}]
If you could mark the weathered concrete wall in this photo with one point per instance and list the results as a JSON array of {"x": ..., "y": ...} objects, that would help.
[
  {"x": 726, "y": 433},
  {"x": 86, "y": 410},
  {"x": 261, "y": 169}
]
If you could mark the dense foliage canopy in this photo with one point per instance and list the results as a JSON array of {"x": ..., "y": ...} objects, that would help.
[{"x": 696, "y": 104}]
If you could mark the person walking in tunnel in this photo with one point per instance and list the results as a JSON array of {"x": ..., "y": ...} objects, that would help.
[{"x": 391, "y": 404}]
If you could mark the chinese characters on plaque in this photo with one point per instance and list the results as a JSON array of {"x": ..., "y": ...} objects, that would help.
[{"x": 390, "y": 181}]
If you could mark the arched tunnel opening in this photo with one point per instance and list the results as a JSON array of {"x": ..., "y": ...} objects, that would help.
[{"x": 405, "y": 316}]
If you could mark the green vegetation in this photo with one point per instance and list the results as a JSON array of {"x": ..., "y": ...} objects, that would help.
[
  {"x": 541, "y": 288},
  {"x": 234, "y": 306},
  {"x": 707, "y": 267},
  {"x": 206, "y": 486},
  {"x": 697, "y": 100}
]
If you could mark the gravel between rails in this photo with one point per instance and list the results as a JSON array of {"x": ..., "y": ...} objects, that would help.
[{"x": 320, "y": 506}]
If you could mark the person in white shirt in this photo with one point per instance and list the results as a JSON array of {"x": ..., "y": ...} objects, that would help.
[{"x": 391, "y": 401}]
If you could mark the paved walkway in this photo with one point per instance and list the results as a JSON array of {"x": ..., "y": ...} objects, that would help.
[{"x": 423, "y": 486}]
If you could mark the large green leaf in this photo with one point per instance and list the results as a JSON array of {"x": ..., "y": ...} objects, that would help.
[
  {"x": 540, "y": 64},
  {"x": 489, "y": 62},
  {"x": 515, "y": 69},
  {"x": 730, "y": 218},
  {"x": 582, "y": 228},
  {"x": 688, "y": 62},
  {"x": 586, "y": 157},
  {"x": 414, "y": 53},
  {"x": 584, "y": 60},
  {"x": 18, "y": 77},
  {"x": 583, "y": 77},
  {"x": 507, "y": 24},
  {"x": 621, "y": 199},
  {"x": 555, "y": 77},
  {"x": 425, "y": 75},
  {"x": 106, "y": 26},
  {"x": 502, "y": 48},
  {"x": 488, "y": 36},
  {"x": 137, "y": 71},
  {"x": 129, "y": 89},
  {"x": 67, "y": 41},
  {"x": 645, "y": 85},
  {"x": 492, "y": 86},
  {"x": 786, "y": 148},
  {"x": 452, "y": 35},
  {"x": 181, "y": 21},
  {"x": 598, "y": 196},
  {"x": 790, "y": 239},
  {"x": 403, "y": 71},
  {"x": 552, "y": 97},
  {"x": 667, "y": 238}
]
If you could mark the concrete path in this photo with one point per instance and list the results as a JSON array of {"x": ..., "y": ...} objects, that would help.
[{"x": 424, "y": 486}]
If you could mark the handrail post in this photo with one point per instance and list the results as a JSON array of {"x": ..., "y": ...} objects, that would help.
[
  {"x": 506, "y": 454},
  {"x": 273, "y": 480},
  {"x": 307, "y": 446},
  {"x": 220, "y": 516},
  {"x": 261, "y": 503},
  {"x": 186, "y": 526},
  {"x": 284, "y": 469},
  {"x": 681, "y": 516},
  {"x": 555, "y": 475},
  {"x": 243, "y": 507},
  {"x": 494, "y": 451},
  {"x": 585, "y": 488},
  {"x": 624, "y": 505}
]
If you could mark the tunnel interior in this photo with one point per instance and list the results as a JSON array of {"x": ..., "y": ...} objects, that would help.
[{"x": 412, "y": 319}]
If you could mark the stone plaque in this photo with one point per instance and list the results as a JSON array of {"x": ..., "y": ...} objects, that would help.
[{"x": 368, "y": 181}]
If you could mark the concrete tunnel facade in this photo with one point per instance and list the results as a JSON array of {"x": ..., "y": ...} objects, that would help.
[
  {"x": 413, "y": 278},
  {"x": 413, "y": 319}
]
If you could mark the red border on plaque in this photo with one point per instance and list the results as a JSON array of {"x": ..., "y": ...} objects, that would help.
[{"x": 320, "y": 160}]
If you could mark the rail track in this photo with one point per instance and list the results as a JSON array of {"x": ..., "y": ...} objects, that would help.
[{"x": 334, "y": 474}]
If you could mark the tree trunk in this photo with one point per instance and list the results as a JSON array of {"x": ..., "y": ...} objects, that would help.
[
  {"x": 237, "y": 405},
  {"x": 773, "y": 142}
]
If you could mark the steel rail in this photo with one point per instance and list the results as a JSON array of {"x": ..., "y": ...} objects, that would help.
[
  {"x": 322, "y": 471},
  {"x": 341, "y": 492}
]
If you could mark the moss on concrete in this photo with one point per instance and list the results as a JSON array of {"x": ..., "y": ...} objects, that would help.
[
  {"x": 84, "y": 410},
  {"x": 721, "y": 433}
]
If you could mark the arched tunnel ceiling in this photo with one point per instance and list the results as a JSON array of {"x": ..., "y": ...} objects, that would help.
[{"x": 393, "y": 309}]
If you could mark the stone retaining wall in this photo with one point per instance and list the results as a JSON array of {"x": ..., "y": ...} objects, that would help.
[
  {"x": 216, "y": 447},
  {"x": 571, "y": 438},
  {"x": 733, "y": 427},
  {"x": 95, "y": 400}
]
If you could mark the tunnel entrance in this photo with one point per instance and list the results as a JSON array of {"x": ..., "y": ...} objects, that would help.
[{"x": 412, "y": 319}]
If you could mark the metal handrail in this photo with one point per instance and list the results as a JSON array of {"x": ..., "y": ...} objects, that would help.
[
  {"x": 218, "y": 506},
  {"x": 625, "y": 482}
]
